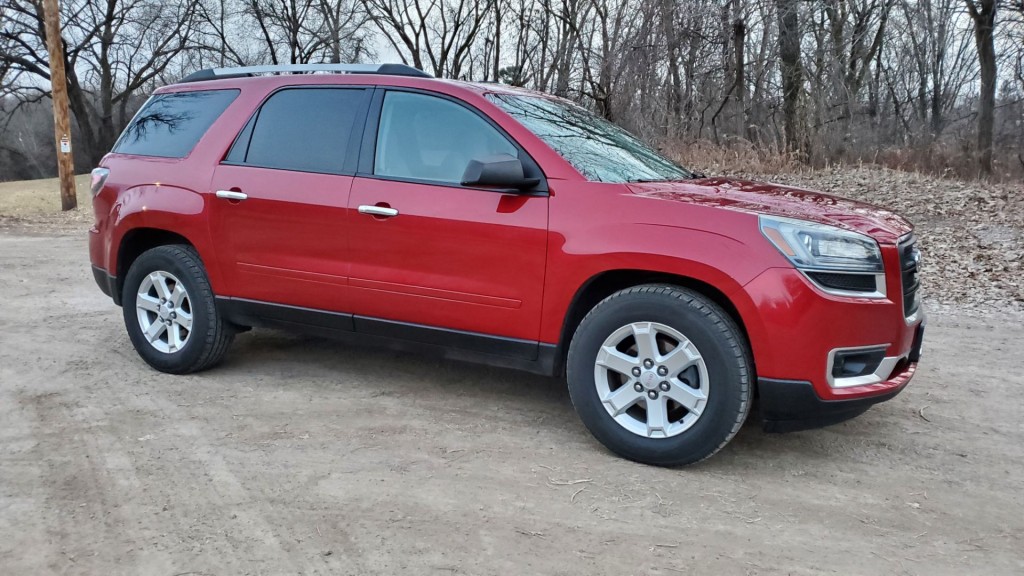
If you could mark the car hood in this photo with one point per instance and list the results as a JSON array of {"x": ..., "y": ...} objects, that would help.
[{"x": 777, "y": 200}]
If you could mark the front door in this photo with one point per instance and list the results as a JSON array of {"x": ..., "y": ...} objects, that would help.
[
  {"x": 281, "y": 199},
  {"x": 429, "y": 252}
]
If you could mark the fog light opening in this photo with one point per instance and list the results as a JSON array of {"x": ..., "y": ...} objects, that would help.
[{"x": 854, "y": 363}]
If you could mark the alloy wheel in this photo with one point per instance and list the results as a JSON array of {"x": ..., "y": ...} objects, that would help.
[
  {"x": 164, "y": 311},
  {"x": 651, "y": 379}
]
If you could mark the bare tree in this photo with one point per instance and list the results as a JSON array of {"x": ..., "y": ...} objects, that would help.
[
  {"x": 791, "y": 71},
  {"x": 434, "y": 35},
  {"x": 343, "y": 22},
  {"x": 225, "y": 36},
  {"x": 291, "y": 25},
  {"x": 922, "y": 82},
  {"x": 610, "y": 34},
  {"x": 114, "y": 51},
  {"x": 739, "y": 83},
  {"x": 938, "y": 61},
  {"x": 983, "y": 13}
]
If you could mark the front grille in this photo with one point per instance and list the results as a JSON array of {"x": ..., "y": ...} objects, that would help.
[{"x": 910, "y": 260}]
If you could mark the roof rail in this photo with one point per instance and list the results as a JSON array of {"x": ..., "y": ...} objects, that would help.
[{"x": 243, "y": 71}]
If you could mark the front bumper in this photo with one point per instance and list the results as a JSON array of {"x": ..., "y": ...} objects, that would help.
[
  {"x": 793, "y": 327},
  {"x": 795, "y": 330},
  {"x": 789, "y": 405}
]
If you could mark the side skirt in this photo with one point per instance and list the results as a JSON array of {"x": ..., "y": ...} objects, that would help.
[{"x": 526, "y": 355}]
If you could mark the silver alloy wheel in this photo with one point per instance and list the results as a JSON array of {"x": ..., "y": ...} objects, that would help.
[
  {"x": 651, "y": 379},
  {"x": 164, "y": 311}
]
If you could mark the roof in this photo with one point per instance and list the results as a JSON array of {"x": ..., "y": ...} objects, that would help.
[
  {"x": 311, "y": 74},
  {"x": 248, "y": 71}
]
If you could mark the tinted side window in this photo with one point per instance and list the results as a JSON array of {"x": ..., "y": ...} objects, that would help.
[
  {"x": 309, "y": 130},
  {"x": 428, "y": 138},
  {"x": 170, "y": 125}
]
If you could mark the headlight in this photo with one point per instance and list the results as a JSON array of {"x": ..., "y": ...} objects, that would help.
[{"x": 838, "y": 261}]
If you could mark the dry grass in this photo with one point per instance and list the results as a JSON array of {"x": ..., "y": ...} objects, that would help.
[
  {"x": 35, "y": 205},
  {"x": 741, "y": 155},
  {"x": 944, "y": 160}
]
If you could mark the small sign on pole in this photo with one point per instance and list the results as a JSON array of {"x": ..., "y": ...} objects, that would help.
[{"x": 65, "y": 144}]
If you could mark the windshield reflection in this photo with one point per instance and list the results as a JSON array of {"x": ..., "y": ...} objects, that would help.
[{"x": 598, "y": 149}]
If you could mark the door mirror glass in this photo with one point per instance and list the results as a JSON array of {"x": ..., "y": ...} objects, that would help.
[{"x": 499, "y": 171}]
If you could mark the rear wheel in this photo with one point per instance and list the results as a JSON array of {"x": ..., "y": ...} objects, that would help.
[
  {"x": 660, "y": 374},
  {"x": 170, "y": 312}
]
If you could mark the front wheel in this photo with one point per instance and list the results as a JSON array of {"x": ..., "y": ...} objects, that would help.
[
  {"x": 660, "y": 375},
  {"x": 170, "y": 312}
]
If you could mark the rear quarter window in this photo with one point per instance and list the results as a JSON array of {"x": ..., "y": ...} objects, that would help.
[
  {"x": 170, "y": 125},
  {"x": 303, "y": 129}
]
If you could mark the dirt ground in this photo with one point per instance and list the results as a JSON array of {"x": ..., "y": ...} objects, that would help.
[{"x": 304, "y": 456}]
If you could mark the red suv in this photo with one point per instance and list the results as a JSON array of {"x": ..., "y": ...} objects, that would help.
[{"x": 491, "y": 224}]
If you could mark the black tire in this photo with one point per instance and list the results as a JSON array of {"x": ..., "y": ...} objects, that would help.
[
  {"x": 210, "y": 336},
  {"x": 720, "y": 343}
]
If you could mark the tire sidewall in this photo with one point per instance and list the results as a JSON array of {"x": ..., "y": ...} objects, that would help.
[
  {"x": 167, "y": 259},
  {"x": 728, "y": 376}
]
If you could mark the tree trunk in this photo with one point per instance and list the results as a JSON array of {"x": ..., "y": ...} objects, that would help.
[
  {"x": 983, "y": 13},
  {"x": 497, "y": 43},
  {"x": 739, "y": 91},
  {"x": 674, "y": 88},
  {"x": 792, "y": 72}
]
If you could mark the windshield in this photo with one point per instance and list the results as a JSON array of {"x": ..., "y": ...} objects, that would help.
[{"x": 598, "y": 149}]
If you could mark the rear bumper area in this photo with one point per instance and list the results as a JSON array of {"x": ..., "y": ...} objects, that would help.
[{"x": 107, "y": 283}]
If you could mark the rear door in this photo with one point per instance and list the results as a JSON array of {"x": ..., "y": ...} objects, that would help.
[
  {"x": 281, "y": 198},
  {"x": 432, "y": 259}
]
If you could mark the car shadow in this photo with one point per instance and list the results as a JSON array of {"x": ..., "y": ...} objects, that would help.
[{"x": 324, "y": 364}]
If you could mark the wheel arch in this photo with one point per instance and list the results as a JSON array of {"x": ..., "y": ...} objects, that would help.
[
  {"x": 606, "y": 283},
  {"x": 137, "y": 241}
]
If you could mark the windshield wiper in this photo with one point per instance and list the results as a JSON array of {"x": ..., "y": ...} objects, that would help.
[{"x": 693, "y": 176}]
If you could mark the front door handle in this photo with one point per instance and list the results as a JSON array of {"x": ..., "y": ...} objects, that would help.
[
  {"x": 383, "y": 211},
  {"x": 232, "y": 195}
]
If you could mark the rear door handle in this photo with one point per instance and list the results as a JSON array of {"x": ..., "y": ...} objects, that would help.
[
  {"x": 231, "y": 195},
  {"x": 378, "y": 211}
]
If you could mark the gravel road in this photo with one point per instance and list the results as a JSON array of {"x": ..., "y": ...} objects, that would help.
[{"x": 303, "y": 456}]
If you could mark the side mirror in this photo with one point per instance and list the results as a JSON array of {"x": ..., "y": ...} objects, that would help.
[{"x": 498, "y": 171}]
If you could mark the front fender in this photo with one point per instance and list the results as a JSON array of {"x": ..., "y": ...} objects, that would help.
[
  {"x": 720, "y": 261},
  {"x": 720, "y": 248}
]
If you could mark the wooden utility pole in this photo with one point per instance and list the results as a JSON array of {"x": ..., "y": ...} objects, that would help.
[{"x": 61, "y": 121}]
